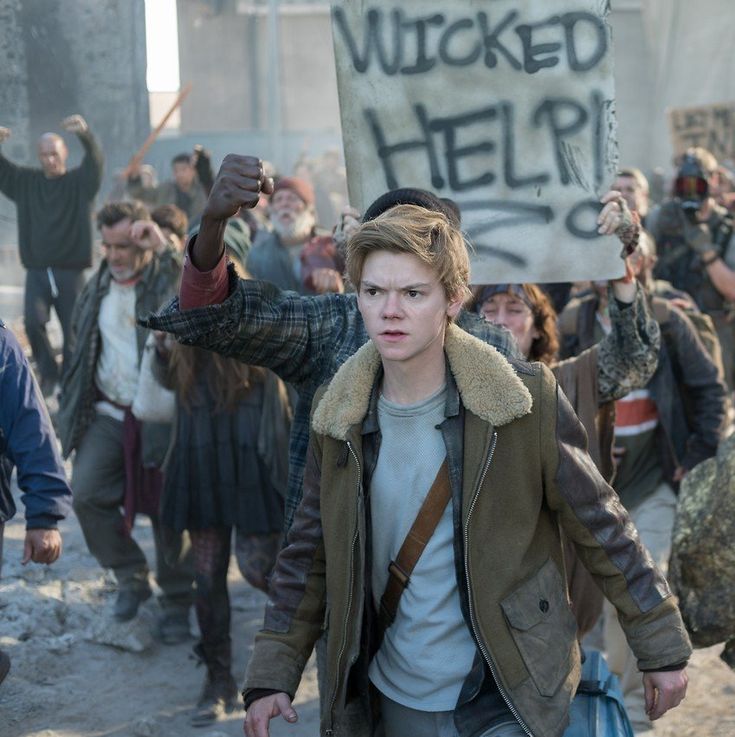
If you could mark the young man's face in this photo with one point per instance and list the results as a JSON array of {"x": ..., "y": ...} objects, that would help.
[{"x": 404, "y": 307}]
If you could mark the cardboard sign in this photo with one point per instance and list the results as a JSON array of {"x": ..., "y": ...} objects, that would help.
[
  {"x": 505, "y": 107},
  {"x": 709, "y": 126}
]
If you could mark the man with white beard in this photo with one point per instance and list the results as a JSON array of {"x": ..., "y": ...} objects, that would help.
[{"x": 280, "y": 256}]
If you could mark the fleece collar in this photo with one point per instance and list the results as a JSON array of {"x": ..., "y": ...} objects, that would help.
[{"x": 487, "y": 384}]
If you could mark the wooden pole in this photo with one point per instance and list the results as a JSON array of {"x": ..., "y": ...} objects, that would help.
[{"x": 137, "y": 159}]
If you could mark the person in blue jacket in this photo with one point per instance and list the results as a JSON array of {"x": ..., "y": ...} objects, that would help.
[{"x": 28, "y": 443}]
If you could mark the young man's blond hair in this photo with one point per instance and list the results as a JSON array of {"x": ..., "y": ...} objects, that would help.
[{"x": 423, "y": 233}]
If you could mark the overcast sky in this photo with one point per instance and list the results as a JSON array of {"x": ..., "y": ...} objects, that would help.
[{"x": 162, "y": 45}]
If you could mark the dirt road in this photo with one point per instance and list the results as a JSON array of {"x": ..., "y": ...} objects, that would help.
[{"x": 65, "y": 682}]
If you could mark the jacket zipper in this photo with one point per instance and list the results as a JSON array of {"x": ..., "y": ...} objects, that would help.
[
  {"x": 330, "y": 732},
  {"x": 481, "y": 644}
]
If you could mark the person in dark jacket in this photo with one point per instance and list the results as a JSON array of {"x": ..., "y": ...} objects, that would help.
[
  {"x": 28, "y": 443},
  {"x": 661, "y": 433},
  {"x": 696, "y": 248},
  {"x": 54, "y": 207}
]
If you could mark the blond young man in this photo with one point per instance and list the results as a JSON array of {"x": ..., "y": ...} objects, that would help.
[{"x": 484, "y": 641}]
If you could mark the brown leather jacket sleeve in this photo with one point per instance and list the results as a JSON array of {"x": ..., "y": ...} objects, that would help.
[
  {"x": 296, "y": 603},
  {"x": 607, "y": 543}
]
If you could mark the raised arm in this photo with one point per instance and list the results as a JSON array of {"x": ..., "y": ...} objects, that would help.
[
  {"x": 628, "y": 354},
  {"x": 90, "y": 170},
  {"x": 239, "y": 183},
  {"x": 9, "y": 172}
]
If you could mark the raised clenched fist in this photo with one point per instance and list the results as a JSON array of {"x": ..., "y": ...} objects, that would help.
[
  {"x": 239, "y": 183},
  {"x": 75, "y": 124}
]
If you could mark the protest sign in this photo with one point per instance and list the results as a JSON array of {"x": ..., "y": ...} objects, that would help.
[
  {"x": 505, "y": 107},
  {"x": 709, "y": 126}
]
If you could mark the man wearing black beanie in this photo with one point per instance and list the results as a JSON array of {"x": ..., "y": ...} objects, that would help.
[{"x": 413, "y": 196}]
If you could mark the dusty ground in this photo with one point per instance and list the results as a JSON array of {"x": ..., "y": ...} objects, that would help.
[{"x": 65, "y": 683}]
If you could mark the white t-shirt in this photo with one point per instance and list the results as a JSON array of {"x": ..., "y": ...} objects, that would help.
[
  {"x": 117, "y": 367},
  {"x": 428, "y": 651}
]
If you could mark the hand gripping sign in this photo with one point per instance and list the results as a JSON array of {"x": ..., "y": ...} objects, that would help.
[{"x": 504, "y": 106}]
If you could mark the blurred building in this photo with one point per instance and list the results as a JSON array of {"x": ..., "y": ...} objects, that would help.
[
  {"x": 276, "y": 87},
  {"x": 668, "y": 54},
  {"x": 59, "y": 57},
  {"x": 263, "y": 78}
]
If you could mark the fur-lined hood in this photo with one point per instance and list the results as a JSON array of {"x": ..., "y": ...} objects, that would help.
[{"x": 487, "y": 384}]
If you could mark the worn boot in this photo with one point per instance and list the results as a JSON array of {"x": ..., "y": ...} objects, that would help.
[{"x": 219, "y": 694}]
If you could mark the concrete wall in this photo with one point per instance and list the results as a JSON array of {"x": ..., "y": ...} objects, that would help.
[
  {"x": 668, "y": 53},
  {"x": 281, "y": 101},
  {"x": 634, "y": 84},
  {"x": 220, "y": 54}
]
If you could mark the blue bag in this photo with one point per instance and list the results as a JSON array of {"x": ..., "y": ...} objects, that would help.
[{"x": 598, "y": 709}]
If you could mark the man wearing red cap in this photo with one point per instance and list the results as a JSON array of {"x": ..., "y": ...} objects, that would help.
[{"x": 295, "y": 255}]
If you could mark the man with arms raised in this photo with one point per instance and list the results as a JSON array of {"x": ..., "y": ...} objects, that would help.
[{"x": 54, "y": 234}]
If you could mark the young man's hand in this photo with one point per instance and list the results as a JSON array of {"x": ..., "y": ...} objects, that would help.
[
  {"x": 239, "y": 183},
  {"x": 664, "y": 690},
  {"x": 4, "y": 134},
  {"x": 75, "y": 124},
  {"x": 263, "y": 710},
  {"x": 41, "y": 546}
]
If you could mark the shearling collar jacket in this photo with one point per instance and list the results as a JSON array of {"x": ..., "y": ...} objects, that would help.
[{"x": 524, "y": 474}]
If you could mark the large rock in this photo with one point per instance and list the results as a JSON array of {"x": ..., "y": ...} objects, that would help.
[
  {"x": 702, "y": 566},
  {"x": 135, "y": 636}
]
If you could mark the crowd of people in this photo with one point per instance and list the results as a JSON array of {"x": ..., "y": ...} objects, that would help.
[{"x": 338, "y": 405}]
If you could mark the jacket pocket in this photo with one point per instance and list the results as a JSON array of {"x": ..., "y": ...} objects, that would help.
[{"x": 543, "y": 627}]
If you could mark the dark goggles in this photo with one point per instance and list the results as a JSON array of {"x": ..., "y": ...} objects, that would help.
[{"x": 691, "y": 188}]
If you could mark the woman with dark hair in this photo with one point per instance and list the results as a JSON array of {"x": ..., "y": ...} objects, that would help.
[
  {"x": 527, "y": 312},
  {"x": 226, "y": 469}
]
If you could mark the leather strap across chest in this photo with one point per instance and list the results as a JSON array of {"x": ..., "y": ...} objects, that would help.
[{"x": 400, "y": 569}]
